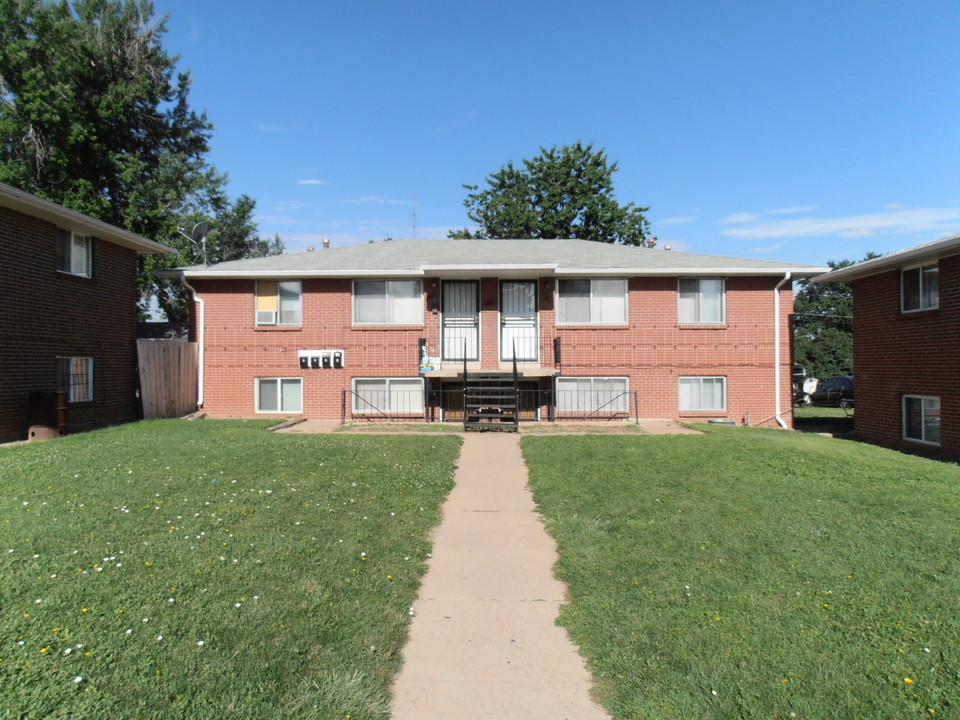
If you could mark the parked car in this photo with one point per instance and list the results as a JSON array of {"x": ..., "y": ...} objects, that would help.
[{"x": 835, "y": 392}]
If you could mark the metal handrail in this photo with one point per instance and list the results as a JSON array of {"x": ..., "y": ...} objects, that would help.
[
  {"x": 617, "y": 397},
  {"x": 346, "y": 393}
]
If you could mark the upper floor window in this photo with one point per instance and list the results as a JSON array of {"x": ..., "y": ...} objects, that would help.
[
  {"x": 279, "y": 303},
  {"x": 592, "y": 301},
  {"x": 75, "y": 377},
  {"x": 73, "y": 253},
  {"x": 387, "y": 302},
  {"x": 920, "y": 288},
  {"x": 701, "y": 301}
]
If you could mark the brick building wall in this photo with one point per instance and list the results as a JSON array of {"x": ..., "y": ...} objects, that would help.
[
  {"x": 653, "y": 351},
  {"x": 45, "y": 314},
  {"x": 897, "y": 354}
]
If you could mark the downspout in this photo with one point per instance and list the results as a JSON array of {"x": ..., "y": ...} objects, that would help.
[
  {"x": 201, "y": 326},
  {"x": 776, "y": 350}
]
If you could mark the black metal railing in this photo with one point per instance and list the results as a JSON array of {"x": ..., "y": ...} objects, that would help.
[{"x": 448, "y": 404}]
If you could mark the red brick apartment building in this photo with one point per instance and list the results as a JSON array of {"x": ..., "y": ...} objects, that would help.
[
  {"x": 397, "y": 329},
  {"x": 906, "y": 346},
  {"x": 68, "y": 314}
]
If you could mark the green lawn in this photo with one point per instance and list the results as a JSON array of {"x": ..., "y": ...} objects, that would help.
[
  {"x": 175, "y": 569},
  {"x": 751, "y": 573}
]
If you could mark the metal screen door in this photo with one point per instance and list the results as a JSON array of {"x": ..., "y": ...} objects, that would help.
[
  {"x": 461, "y": 320},
  {"x": 518, "y": 321}
]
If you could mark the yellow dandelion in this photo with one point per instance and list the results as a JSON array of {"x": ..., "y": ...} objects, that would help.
[{"x": 908, "y": 681}]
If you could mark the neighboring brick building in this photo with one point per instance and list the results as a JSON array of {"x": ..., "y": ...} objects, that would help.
[
  {"x": 380, "y": 331},
  {"x": 68, "y": 313},
  {"x": 906, "y": 345}
]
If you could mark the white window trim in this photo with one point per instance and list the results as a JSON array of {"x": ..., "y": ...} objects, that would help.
[
  {"x": 592, "y": 378},
  {"x": 276, "y": 322},
  {"x": 366, "y": 410},
  {"x": 256, "y": 396},
  {"x": 387, "y": 281},
  {"x": 723, "y": 302},
  {"x": 905, "y": 310},
  {"x": 722, "y": 409},
  {"x": 71, "y": 388},
  {"x": 87, "y": 242},
  {"x": 626, "y": 303},
  {"x": 903, "y": 418}
]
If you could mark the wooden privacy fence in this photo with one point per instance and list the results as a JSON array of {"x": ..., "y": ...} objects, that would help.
[{"x": 168, "y": 377}]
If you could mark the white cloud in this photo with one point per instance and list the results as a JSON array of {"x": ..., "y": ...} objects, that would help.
[
  {"x": 772, "y": 248},
  {"x": 312, "y": 181},
  {"x": 743, "y": 217},
  {"x": 278, "y": 220},
  {"x": 290, "y": 206},
  {"x": 921, "y": 220},
  {"x": 376, "y": 199},
  {"x": 680, "y": 220},
  {"x": 793, "y": 210}
]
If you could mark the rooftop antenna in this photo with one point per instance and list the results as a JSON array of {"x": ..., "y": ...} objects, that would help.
[
  {"x": 199, "y": 238},
  {"x": 414, "y": 217}
]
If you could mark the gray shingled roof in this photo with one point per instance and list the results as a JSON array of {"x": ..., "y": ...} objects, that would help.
[{"x": 475, "y": 258}]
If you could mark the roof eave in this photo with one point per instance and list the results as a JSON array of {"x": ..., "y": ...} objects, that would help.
[
  {"x": 919, "y": 255},
  {"x": 29, "y": 204}
]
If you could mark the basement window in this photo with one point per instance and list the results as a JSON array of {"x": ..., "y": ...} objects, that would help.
[
  {"x": 75, "y": 377},
  {"x": 921, "y": 418}
]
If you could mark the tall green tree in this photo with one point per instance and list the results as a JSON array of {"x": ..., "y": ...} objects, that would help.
[
  {"x": 823, "y": 325},
  {"x": 94, "y": 115},
  {"x": 563, "y": 192}
]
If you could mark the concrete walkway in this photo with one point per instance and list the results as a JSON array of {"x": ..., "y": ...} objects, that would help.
[{"x": 483, "y": 643}]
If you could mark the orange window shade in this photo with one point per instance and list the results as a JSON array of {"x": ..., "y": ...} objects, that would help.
[{"x": 267, "y": 296}]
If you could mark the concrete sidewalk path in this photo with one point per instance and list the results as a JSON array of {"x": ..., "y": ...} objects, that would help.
[{"x": 483, "y": 643}]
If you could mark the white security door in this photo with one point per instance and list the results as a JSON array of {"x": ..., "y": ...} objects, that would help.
[
  {"x": 461, "y": 320},
  {"x": 519, "y": 331}
]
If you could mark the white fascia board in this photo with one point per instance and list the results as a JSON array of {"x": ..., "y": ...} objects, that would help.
[
  {"x": 43, "y": 209},
  {"x": 920, "y": 255},
  {"x": 293, "y": 274},
  {"x": 490, "y": 269},
  {"x": 687, "y": 272}
]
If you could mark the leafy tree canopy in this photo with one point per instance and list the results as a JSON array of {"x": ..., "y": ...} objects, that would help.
[
  {"x": 561, "y": 193},
  {"x": 823, "y": 325},
  {"x": 94, "y": 116}
]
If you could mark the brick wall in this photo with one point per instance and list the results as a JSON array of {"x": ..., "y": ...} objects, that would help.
[
  {"x": 653, "y": 351},
  {"x": 45, "y": 314},
  {"x": 897, "y": 354}
]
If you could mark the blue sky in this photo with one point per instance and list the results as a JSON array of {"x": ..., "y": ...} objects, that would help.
[{"x": 795, "y": 132}]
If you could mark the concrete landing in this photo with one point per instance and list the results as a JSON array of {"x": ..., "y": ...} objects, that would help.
[{"x": 483, "y": 643}]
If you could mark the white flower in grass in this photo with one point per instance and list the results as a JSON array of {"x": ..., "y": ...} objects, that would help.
[
  {"x": 78, "y": 679},
  {"x": 38, "y": 601},
  {"x": 129, "y": 631},
  {"x": 68, "y": 651},
  {"x": 159, "y": 637},
  {"x": 200, "y": 643}
]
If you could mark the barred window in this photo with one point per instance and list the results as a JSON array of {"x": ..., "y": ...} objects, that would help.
[{"x": 75, "y": 377}]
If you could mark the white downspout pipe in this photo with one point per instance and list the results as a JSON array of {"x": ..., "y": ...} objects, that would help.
[
  {"x": 778, "y": 410},
  {"x": 201, "y": 327}
]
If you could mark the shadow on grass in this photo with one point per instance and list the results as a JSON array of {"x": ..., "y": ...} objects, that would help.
[{"x": 833, "y": 421}]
